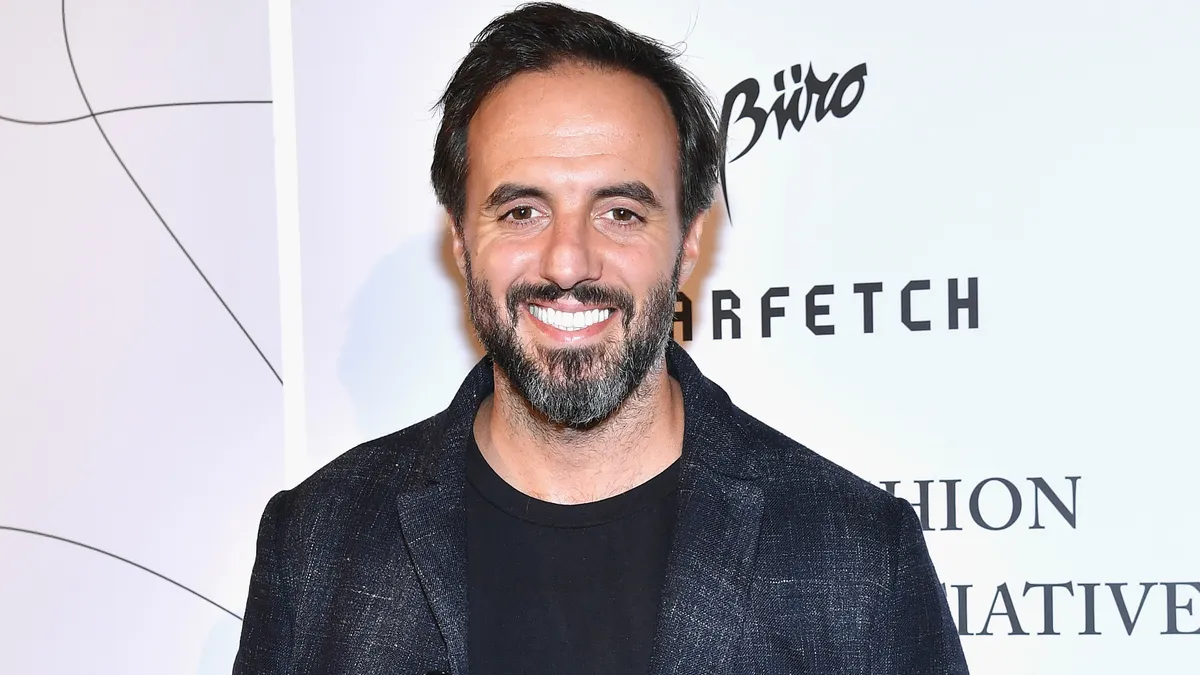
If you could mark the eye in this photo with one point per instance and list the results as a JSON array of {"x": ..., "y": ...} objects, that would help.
[
  {"x": 623, "y": 215},
  {"x": 521, "y": 214}
]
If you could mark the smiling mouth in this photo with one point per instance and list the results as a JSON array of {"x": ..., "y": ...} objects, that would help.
[{"x": 569, "y": 321}]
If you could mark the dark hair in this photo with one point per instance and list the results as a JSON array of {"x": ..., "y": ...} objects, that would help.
[{"x": 539, "y": 36}]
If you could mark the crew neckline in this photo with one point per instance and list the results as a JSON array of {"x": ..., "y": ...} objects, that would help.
[{"x": 519, "y": 505}]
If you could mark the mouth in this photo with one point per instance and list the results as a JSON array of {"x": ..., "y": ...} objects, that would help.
[{"x": 570, "y": 322}]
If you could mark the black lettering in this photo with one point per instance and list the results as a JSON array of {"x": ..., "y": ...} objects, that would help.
[
  {"x": 1040, "y": 486},
  {"x": 970, "y": 303},
  {"x": 1173, "y": 608},
  {"x": 951, "y": 505},
  {"x": 868, "y": 292},
  {"x": 1003, "y": 595},
  {"x": 1119, "y": 599},
  {"x": 683, "y": 314},
  {"x": 962, "y": 609},
  {"x": 790, "y": 113},
  {"x": 809, "y": 87},
  {"x": 1048, "y": 603},
  {"x": 769, "y": 312},
  {"x": 1014, "y": 501},
  {"x": 721, "y": 314},
  {"x": 820, "y": 88},
  {"x": 749, "y": 89},
  {"x": 812, "y": 310},
  {"x": 906, "y": 304},
  {"x": 1089, "y": 609},
  {"x": 855, "y": 76}
]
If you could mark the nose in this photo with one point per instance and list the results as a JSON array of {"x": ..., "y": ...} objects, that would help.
[{"x": 571, "y": 255}]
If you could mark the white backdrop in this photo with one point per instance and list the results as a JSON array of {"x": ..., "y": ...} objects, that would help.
[
  {"x": 1045, "y": 150},
  {"x": 136, "y": 418}
]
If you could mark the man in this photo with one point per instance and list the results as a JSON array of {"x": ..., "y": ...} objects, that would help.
[{"x": 589, "y": 502}]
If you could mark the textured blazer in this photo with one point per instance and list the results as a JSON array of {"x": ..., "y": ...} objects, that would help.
[{"x": 782, "y": 561}]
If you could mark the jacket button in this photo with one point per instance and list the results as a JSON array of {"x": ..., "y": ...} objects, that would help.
[{"x": 436, "y": 672}]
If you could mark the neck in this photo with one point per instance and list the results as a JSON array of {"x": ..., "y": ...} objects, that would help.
[{"x": 565, "y": 465}]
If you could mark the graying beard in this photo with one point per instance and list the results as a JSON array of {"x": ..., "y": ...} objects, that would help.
[{"x": 581, "y": 402}]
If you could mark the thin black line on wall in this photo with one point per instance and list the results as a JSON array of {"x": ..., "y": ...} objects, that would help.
[
  {"x": 127, "y": 561},
  {"x": 95, "y": 118},
  {"x": 181, "y": 104}
]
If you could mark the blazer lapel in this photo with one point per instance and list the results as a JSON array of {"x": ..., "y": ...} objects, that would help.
[
  {"x": 707, "y": 580},
  {"x": 433, "y": 517},
  {"x": 712, "y": 557},
  {"x": 434, "y": 528}
]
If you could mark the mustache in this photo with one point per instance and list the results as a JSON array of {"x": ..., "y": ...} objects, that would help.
[{"x": 585, "y": 293}]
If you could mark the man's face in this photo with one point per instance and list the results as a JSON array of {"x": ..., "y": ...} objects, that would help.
[{"x": 571, "y": 243}]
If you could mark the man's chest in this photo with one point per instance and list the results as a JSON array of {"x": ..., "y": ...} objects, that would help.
[
  {"x": 579, "y": 596},
  {"x": 382, "y": 622}
]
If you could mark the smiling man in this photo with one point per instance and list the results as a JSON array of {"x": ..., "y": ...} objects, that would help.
[{"x": 589, "y": 502}]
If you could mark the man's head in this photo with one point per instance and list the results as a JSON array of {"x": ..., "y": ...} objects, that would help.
[{"x": 576, "y": 160}]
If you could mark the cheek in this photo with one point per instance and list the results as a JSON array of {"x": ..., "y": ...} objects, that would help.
[
  {"x": 643, "y": 266},
  {"x": 502, "y": 262}
]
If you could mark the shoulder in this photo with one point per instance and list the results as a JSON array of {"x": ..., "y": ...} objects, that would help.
[
  {"x": 814, "y": 504},
  {"x": 811, "y": 481},
  {"x": 361, "y": 482},
  {"x": 798, "y": 483}
]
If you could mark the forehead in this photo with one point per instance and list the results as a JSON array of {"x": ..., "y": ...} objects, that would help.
[{"x": 570, "y": 123}]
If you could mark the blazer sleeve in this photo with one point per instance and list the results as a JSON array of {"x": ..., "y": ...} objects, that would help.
[
  {"x": 914, "y": 633},
  {"x": 265, "y": 645}
]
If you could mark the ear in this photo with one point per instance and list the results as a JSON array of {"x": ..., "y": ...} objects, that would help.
[
  {"x": 457, "y": 245},
  {"x": 691, "y": 248}
]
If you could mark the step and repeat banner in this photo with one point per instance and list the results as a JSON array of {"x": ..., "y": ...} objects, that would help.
[
  {"x": 141, "y": 423},
  {"x": 956, "y": 254}
]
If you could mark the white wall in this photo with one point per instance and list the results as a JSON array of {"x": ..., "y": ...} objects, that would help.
[{"x": 135, "y": 416}]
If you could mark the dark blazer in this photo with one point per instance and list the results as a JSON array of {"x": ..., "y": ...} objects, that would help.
[{"x": 782, "y": 561}]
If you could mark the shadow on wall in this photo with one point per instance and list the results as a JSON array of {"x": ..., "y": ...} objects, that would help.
[
  {"x": 398, "y": 357},
  {"x": 399, "y": 363}
]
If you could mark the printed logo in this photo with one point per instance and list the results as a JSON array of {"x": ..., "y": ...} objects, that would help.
[
  {"x": 1055, "y": 606},
  {"x": 837, "y": 96},
  {"x": 826, "y": 308}
]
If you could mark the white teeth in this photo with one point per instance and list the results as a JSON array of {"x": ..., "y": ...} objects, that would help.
[{"x": 571, "y": 321}]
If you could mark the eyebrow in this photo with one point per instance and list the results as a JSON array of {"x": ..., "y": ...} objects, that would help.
[
  {"x": 634, "y": 189},
  {"x": 506, "y": 192}
]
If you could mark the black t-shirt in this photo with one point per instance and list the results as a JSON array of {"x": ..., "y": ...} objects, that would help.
[{"x": 559, "y": 589}]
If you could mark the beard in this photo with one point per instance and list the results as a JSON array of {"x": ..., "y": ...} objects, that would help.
[{"x": 575, "y": 387}]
